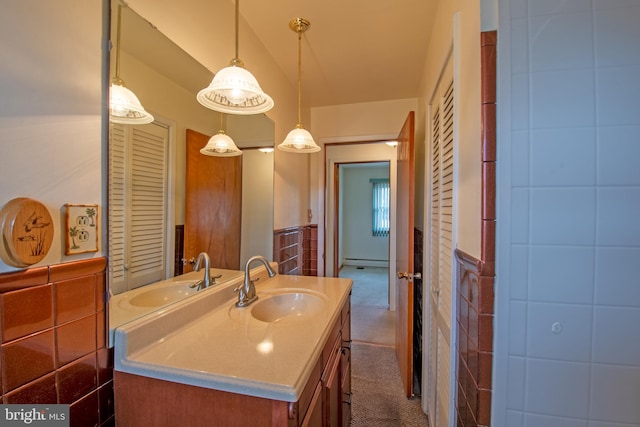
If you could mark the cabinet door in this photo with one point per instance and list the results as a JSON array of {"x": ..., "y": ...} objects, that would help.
[
  {"x": 313, "y": 417},
  {"x": 345, "y": 367},
  {"x": 333, "y": 395}
]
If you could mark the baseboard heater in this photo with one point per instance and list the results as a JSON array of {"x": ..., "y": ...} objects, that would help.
[{"x": 363, "y": 262}]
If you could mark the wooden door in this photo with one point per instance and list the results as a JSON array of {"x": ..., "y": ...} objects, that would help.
[
  {"x": 404, "y": 251},
  {"x": 213, "y": 205}
]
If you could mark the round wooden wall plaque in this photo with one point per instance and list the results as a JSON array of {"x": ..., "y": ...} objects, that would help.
[{"x": 27, "y": 232}]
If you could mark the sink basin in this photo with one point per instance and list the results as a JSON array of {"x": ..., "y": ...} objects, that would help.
[
  {"x": 286, "y": 307},
  {"x": 163, "y": 295}
]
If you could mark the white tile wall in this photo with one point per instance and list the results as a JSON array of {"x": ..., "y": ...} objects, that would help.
[
  {"x": 557, "y": 388},
  {"x": 518, "y": 328},
  {"x": 517, "y": 381},
  {"x": 562, "y": 216},
  {"x": 520, "y": 215},
  {"x": 617, "y": 280},
  {"x": 520, "y": 158},
  {"x": 561, "y": 99},
  {"x": 618, "y": 95},
  {"x": 619, "y": 215},
  {"x": 572, "y": 239},
  {"x": 553, "y": 48},
  {"x": 535, "y": 420},
  {"x": 554, "y": 7},
  {"x": 515, "y": 418},
  {"x": 554, "y": 161},
  {"x": 519, "y": 278},
  {"x": 617, "y": 328},
  {"x": 561, "y": 274},
  {"x": 559, "y": 331},
  {"x": 618, "y": 154},
  {"x": 614, "y": 393}
]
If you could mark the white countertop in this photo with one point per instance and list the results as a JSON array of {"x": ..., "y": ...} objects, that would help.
[
  {"x": 206, "y": 341},
  {"x": 121, "y": 311}
]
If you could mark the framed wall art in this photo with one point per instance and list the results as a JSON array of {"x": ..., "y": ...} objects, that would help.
[{"x": 81, "y": 229}]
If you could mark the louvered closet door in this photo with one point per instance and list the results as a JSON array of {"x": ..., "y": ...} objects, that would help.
[
  {"x": 441, "y": 249},
  {"x": 138, "y": 182}
]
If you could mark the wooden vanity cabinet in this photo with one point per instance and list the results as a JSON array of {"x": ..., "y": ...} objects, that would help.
[
  {"x": 324, "y": 402},
  {"x": 345, "y": 365}
]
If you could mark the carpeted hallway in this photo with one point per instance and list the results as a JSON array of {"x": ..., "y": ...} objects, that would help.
[
  {"x": 378, "y": 398},
  {"x": 371, "y": 320}
]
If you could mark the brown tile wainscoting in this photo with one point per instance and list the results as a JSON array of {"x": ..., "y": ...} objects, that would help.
[
  {"x": 475, "y": 338},
  {"x": 53, "y": 325},
  {"x": 476, "y": 277},
  {"x": 295, "y": 249}
]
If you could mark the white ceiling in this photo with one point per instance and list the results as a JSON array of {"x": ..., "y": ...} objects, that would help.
[{"x": 354, "y": 51}]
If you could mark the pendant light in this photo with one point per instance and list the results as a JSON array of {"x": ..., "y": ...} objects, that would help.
[
  {"x": 221, "y": 144},
  {"x": 299, "y": 140},
  {"x": 124, "y": 106},
  {"x": 234, "y": 89}
]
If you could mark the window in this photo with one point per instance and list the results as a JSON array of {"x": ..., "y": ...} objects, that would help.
[{"x": 380, "y": 207}]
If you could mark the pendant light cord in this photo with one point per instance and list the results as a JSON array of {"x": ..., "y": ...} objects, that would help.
[
  {"x": 299, "y": 79},
  {"x": 118, "y": 24},
  {"x": 237, "y": 25}
]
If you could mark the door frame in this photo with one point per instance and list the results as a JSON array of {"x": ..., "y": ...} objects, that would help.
[
  {"x": 337, "y": 229},
  {"x": 358, "y": 152}
]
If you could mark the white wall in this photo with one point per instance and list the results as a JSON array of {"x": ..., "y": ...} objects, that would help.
[
  {"x": 257, "y": 203},
  {"x": 568, "y": 294},
  {"x": 51, "y": 109},
  {"x": 358, "y": 240}
]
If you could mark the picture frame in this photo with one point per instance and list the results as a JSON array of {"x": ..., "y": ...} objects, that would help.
[{"x": 81, "y": 228}]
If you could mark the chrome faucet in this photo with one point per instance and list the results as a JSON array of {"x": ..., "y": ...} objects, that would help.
[
  {"x": 206, "y": 280},
  {"x": 247, "y": 291}
]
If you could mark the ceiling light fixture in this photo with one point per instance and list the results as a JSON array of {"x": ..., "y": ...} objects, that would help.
[
  {"x": 221, "y": 144},
  {"x": 234, "y": 89},
  {"x": 124, "y": 106},
  {"x": 299, "y": 140}
]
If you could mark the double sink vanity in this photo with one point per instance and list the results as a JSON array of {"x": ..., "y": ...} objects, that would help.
[{"x": 281, "y": 360}]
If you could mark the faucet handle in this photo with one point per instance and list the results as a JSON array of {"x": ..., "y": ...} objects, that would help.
[{"x": 199, "y": 285}]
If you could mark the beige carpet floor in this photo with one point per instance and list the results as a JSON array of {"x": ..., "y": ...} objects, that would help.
[
  {"x": 371, "y": 320},
  {"x": 370, "y": 285},
  {"x": 378, "y": 398}
]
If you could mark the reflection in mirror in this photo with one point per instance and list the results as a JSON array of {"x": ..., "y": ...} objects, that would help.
[{"x": 147, "y": 163}]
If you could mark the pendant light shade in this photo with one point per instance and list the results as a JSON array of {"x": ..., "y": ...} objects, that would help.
[
  {"x": 299, "y": 140},
  {"x": 124, "y": 106},
  {"x": 234, "y": 89},
  {"x": 221, "y": 144}
]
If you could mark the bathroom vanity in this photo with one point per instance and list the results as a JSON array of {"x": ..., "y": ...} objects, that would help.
[{"x": 282, "y": 361}]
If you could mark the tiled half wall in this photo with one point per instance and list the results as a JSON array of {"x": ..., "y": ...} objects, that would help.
[
  {"x": 54, "y": 340},
  {"x": 295, "y": 249},
  {"x": 476, "y": 277}
]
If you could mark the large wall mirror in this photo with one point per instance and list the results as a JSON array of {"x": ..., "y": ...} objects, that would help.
[{"x": 166, "y": 79}]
